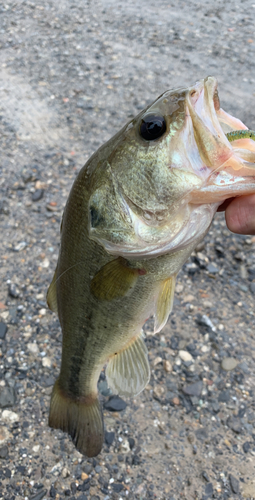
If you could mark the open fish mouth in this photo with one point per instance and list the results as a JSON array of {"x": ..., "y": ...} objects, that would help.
[{"x": 229, "y": 167}]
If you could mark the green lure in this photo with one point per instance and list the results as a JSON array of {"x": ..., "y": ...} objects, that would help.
[{"x": 240, "y": 134}]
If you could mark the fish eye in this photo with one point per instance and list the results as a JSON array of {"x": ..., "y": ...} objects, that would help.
[{"x": 152, "y": 127}]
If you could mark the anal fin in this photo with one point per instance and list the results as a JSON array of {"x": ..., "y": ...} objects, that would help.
[
  {"x": 128, "y": 371},
  {"x": 164, "y": 303},
  {"x": 51, "y": 296}
]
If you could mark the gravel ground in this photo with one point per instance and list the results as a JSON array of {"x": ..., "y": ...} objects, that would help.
[{"x": 71, "y": 74}]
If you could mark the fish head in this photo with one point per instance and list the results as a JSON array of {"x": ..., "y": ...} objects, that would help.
[{"x": 160, "y": 180}]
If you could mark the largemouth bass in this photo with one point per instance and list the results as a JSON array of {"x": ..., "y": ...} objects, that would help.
[{"x": 136, "y": 211}]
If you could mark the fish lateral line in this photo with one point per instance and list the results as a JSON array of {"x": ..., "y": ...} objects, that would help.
[{"x": 240, "y": 134}]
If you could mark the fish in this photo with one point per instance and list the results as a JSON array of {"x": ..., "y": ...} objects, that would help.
[{"x": 136, "y": 211}]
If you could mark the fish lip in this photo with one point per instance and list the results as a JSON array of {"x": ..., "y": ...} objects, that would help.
[{"x": 204, "y": 96}]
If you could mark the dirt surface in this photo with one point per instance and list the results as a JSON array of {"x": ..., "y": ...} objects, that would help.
[{"x": 71, "y": 74}]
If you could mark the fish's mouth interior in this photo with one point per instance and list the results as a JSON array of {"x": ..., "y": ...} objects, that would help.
[{"x": 226, "y": 166}]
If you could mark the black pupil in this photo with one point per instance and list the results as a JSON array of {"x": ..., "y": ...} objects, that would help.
[{"x": 152, "y": 127}]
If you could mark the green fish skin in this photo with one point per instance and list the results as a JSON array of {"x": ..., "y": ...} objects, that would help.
[{"x": 136, "y": 211}]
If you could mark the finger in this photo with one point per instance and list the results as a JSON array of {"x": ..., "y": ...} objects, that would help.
[{"x": 240, "y": 215}]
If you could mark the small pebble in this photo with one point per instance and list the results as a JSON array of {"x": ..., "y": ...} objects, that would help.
[
  {"x": 13, "y": 291},
  {"x": 212, "y": 269},
  {"x": 4, "y": 435},
  {"x": 156, "y": 361},
  {"x": 109, "y": 437},
  {"x": 4, "y": 452},
  {"x": 115, "y": 403},
  {"x": 38, "y": 194},
  {"x": 131, "y": 443},
  {"x": 33, "y": 347},
  {"x": 176, "y": 401},
  {"x": 179, "y": 288},
  {"x": 10, "y": 416},
  {"x": 20, "y": 246},
  {"x": 234, "y": 424},
  {"x": 193, "y": 389},
  {"x": 246, "y": 447},
  {"x": 39, "y": 495},
  {"x": 203, "y": 320},
  {"x": 3, "y": 330},
  {"x": 224, "y": 396},
  {"x": 46, "y": 362},
  {"x": 205, "y": 348},
  {"x": 185, "y": 356},
  {"x": 65, "y": 472},
  {"x": 229, "y": 364},
  {"x": 7, "y": 397},
  {"x": 158, "y": 392},
  {"x": 205, "y": 476},
  {"x": 234, "y": 483},
  {"x": 209, "y": 489},
  {"x": 124, "y": 446},
  {"x": 167, "y": 366}
]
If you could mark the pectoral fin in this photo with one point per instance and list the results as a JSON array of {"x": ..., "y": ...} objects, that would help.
[
  {"x": 128, "y": 371},
  {"x": 114, "y": 280},
  {"x": 51, "y": 296},
  {"x": 164, "y": 303}
]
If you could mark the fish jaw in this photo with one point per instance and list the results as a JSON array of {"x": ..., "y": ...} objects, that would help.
[{"x": 229, "y": 168}]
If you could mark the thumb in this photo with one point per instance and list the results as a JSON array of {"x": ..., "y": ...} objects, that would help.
[{"x": 240, "y": 215}]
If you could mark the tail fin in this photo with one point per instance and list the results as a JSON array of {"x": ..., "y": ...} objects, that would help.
[{"x": 83, "y": 421}]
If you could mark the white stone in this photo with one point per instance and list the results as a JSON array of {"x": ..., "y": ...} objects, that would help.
[
  {"x": 10, "y": 416},
  {"x": 179, "y": 288},
  {"x": 124, "y": 446},
  {"x": 185, "y": 356},
  {"x": 4, "y": 435},
  {"x": 158, "y": 391},
  {"x": 43, "y": 311},
  {"x": 229, "y": 364},
  {"x": 57, "y": 468},
  {"x": 33, "y": 347},
  {"x": 36, "y": 448},
  {"x": 205, "y": 348},
  {"x": 167, "y": 366},
  {"x": 65, "y": 472},
  {"x": 4, "y": 314},
  {"x": 207, "y": 304},
  {"x": 45, "y": 263},
  {"x": 156, "y": 361},
  {"x": 46, "y": 362}
]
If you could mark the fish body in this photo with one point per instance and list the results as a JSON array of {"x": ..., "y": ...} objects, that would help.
[{"x": 135, "y": 213}]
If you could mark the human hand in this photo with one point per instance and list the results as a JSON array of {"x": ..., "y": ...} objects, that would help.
[{"x": 240, "y": 214}]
